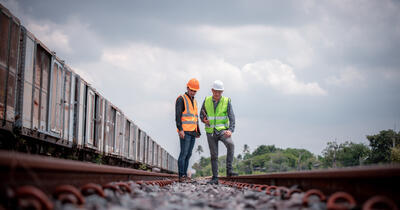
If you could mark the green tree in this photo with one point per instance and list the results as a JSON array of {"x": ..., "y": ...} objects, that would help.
[
  {"x": 199, "y": 149},
  {"x": 395, "y": 155},
  {"x": 263, "y": 149},
  {"x": 239, "y": 157},
  {"x": 345, "y": 154},
  {"x": 246, "y": 149},
  {"x": 246, "y": 152},
  {"x": 352, "y": 154},
  {"x": 381, "y": 145},
  {"x": 330, "y": 154}
]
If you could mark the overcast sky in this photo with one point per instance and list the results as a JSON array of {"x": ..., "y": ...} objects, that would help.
[{"x": 299, "y": 73}]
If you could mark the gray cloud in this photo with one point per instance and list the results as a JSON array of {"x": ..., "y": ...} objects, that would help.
[{"x": 139, "y": 55}]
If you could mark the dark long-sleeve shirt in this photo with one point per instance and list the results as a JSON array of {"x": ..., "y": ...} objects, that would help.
[
  {"x": 179, "y": 109},
  {"x": 231, "y": 115}
]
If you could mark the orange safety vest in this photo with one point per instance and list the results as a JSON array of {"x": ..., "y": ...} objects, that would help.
[{"x": 189, "y": 115}]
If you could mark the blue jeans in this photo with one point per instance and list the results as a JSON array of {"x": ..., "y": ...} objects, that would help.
[{"x": 187, "y": 145}]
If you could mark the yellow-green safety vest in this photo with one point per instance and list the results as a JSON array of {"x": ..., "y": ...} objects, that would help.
[{"x": 218, "y": 117}]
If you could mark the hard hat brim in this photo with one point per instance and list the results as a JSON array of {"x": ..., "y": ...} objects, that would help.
[{"x": 195, "y": 89}]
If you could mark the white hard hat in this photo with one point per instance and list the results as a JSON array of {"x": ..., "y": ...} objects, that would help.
[{"x": 218, "y": 85}]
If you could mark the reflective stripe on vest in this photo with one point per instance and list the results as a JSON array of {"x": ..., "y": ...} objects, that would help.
[
  {"x": 218, "y": 117},
  {"x": 189, "y": 115}
]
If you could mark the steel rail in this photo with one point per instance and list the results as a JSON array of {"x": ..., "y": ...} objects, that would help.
[
  {"x": 361, "y": 182},
  {"x": 46, "y": 173}
]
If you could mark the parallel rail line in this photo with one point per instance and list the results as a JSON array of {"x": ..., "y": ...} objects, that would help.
[{"x": 361, "y": 183}]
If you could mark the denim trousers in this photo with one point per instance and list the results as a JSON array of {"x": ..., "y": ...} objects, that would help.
[{"x": 187, "y": 144}]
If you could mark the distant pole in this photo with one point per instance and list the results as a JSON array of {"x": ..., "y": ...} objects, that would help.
[{"x": 393, "y": 138}]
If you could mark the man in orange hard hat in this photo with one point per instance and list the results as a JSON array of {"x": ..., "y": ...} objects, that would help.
[{"x": 186, "y": 117}]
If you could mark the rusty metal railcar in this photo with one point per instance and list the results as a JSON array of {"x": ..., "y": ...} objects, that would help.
[
  {"x": 43, "y": 98},
  {"x": 9, "y": 61}
]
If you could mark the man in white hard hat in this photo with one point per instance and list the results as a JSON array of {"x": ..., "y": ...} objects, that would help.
[{"x": 219, "y": 119}]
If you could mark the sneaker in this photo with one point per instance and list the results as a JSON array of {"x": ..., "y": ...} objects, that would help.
[
  {"x": 229, "y": 174},
  {"x": 214, "y": 180}
]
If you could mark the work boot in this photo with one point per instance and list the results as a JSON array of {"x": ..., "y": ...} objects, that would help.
[
  {"x": 214, "y": 180},
  {"x": 229, "y": 174},
  {"x": 182, "y": 178},
  {"x": 188, "y": 179}
]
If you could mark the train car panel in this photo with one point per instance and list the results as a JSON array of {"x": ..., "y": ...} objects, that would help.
[
  {"x": 109, "y": 133},
  {"x": 9, "y": 51},
  {"x": 27, "y": 84},
  {"x": 40, "y": 84},
  {"x": 80, "y": 112},
  {"x": 43, "y": 65},
  {"x": 155, "y": 154},
  {"x": 66, "y": 103},
  {"x": 154, "y": 163},
  {"x": 90, "y": 118},
  {"x": 141, "y": 145},
  {"x": 119, "y": 133},
  {"x": 132, "y": 142},
  {"x": 145, "y": 149},
  {"x": 56, "y": 97},
  {"x": 100, "y": 122},
  {"x": 150, "y": 151},
  {"x": 72, "y": 108},
  {"x": 127, "y": 138},
  {"x": 159, "y": 156}
]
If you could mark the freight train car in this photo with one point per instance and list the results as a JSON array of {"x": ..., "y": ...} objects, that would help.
[{"x": 47, "y": 104}]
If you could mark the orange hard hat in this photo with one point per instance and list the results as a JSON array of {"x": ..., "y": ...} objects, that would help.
[{"x": 193, "y": 84}]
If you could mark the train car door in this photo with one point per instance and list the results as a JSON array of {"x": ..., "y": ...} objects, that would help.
[
  {"x": 66, "y": 103},
  {"x": 72, "y": 108},
  {"x": 133, "y": 140},
  {"x": 118, "y": 133},
  {"x": 40, "y": 90},
  {"x": 55, "y": 98},
  {"x": 80, "y": 111},
  {"x": 9, "y": 51},
  {"x": 90, "y": 118},
  {"x": 100, "y": 106},
  {"x": 27, "y": 82},
  {"x": 127, "y": 138}
]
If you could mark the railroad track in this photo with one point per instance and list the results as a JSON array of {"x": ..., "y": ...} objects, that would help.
[
  {"x": 27, "y": 176},
  {"x": 355, "y": 185},
  {"x": 46, "y": 179}
]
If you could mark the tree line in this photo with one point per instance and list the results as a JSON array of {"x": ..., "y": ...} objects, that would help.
[{"x": 383, "y": 148}]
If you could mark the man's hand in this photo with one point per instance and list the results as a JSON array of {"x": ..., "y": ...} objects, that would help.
[
  {"x": 207, "y": 122},
  {"x": 181, "y": 134},
  {"x": 228, "y": 133}
]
